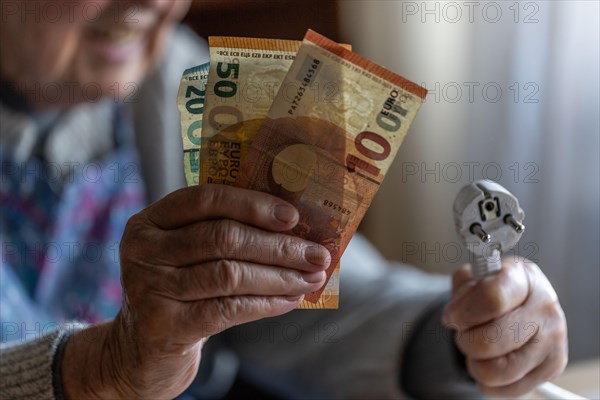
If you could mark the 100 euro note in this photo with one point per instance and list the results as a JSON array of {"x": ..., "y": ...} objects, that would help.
[
  {"x": 190, "y": 101},
  {"x": 329, "y": 156}
]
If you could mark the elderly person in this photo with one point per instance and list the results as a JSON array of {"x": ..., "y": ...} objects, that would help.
[{"x": 89, "y": 137}]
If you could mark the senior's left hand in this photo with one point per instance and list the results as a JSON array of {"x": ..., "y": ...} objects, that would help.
[{"x": 510, "y": 327}]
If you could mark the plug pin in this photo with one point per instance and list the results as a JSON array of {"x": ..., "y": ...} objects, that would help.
[
  {"x": 477, "y": 230},
  {"x": 518, "y": 227}
]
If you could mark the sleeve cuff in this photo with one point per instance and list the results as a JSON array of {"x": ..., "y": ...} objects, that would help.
[
  {"x": 31, "y": 369},
  {"x": 433, "y": 367}
]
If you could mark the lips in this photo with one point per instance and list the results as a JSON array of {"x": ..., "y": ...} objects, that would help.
[
  {"x": 117, "y": 34},
  {"x": 116, "y": 43}
]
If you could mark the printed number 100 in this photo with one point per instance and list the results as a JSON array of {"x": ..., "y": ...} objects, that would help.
[{"x": 383, "y": 151}]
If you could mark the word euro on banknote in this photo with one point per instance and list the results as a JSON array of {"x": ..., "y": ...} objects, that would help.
[
  {"x": 328, "y": 157},
  {"x": 190, "y": 101}
]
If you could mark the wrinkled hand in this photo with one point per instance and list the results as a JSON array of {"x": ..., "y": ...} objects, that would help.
[
  {"x": 197, "y": 262},
  {"x": 510, "y": 327}
]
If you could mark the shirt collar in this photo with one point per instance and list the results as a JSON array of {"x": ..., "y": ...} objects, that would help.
[{"x": 80, "y": 134}]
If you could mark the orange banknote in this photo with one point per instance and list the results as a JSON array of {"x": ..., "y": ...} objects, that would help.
[
  {"x": 328, "y": 155},
  {"x": 245, "y": 75}
]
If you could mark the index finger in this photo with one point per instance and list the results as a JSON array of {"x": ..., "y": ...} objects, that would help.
[
  {"x": 210, "y": 201},
  {"x": 489, "y": 298}
]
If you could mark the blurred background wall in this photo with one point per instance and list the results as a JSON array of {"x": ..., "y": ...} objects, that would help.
[
  {"x": 514, "y": 92},
  {"x": 514, "y": 98}
]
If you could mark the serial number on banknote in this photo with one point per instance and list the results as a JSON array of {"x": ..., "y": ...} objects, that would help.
[
  {"x": 336, "y": 207},
  {"x": 304, "y": 83}
]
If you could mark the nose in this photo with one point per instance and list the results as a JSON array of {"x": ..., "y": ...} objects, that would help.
[
  {"x": 170, "y": 9},
  {"x": 163, "y": 5}
]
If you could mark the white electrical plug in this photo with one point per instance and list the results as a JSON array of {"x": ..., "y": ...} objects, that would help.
[{"x": 489, "y": 221}]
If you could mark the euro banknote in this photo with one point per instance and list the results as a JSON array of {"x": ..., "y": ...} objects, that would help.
[
  {"x": 190, "y": 101},
  {"x": 245, "y": 74},
  {"x": 236, "y": 109},
  {"x": 244, "y": 77},
  {"x": 329, "y": 155}
]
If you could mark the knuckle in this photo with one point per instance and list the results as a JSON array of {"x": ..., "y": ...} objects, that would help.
[
  {"x": 471, "y": 344},
  {"x": 258, "y": 307},
  {"x": 499, "y": 371},
  {"x": 559, "y": 334},
  {"x": 224, "y": 196},
  {"x": 289, "y": 249},
  {"x": 496, "y": 300},
  {"x": 134, "y": 249},
  {"x": 462, "y": 342},
  {"x": 529, "y": 266},
  {"x": 227, "y": 234},
  {"x": 289, "y": 277},
  {"x": 481, "y": 348},
  {"x": 485, "y": 342},
  {"x": 229, "y": 308},
  {"x": 552, "y": 311},
  {"x": 557, "y": 366},
  {"x": 134, "y": 220},
  {"x": 563, "y": 360},
  {"x": 252, "y": 208},
  {"x": 285, "y": 279},
  {"x": 227, "y": 276},
  {"x": 207, "y": 195},
  {"x": 483, "y": 371},
  {"x": 134, "y": 229},
  {"x": 554, "y": 317}
]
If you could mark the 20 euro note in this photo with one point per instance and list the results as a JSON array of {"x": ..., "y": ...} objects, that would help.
[
  {"x": 329, "y": 156},
  {"x": 190, "y": 101}
]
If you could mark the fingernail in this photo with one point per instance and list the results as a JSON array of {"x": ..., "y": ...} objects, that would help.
[
  {"x": 317, "y": 255},
  {"x": 314, "y": 277},
  {"x": 284, "y": 213}
]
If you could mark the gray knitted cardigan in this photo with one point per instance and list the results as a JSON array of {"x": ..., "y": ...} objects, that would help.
[{"x": 31, "y": 369}]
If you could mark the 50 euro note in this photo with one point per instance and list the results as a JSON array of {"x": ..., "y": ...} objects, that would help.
[
  {"x": 328, "y": 156},
  {"x": 245, "y": 75},
  {"x": 190, "y": 101}
]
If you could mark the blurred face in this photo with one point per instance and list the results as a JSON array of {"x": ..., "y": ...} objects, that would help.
[{"x": 63, "y": 52}]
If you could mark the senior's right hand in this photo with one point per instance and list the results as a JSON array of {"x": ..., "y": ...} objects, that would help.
[{"x": 197, "y": 262}]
